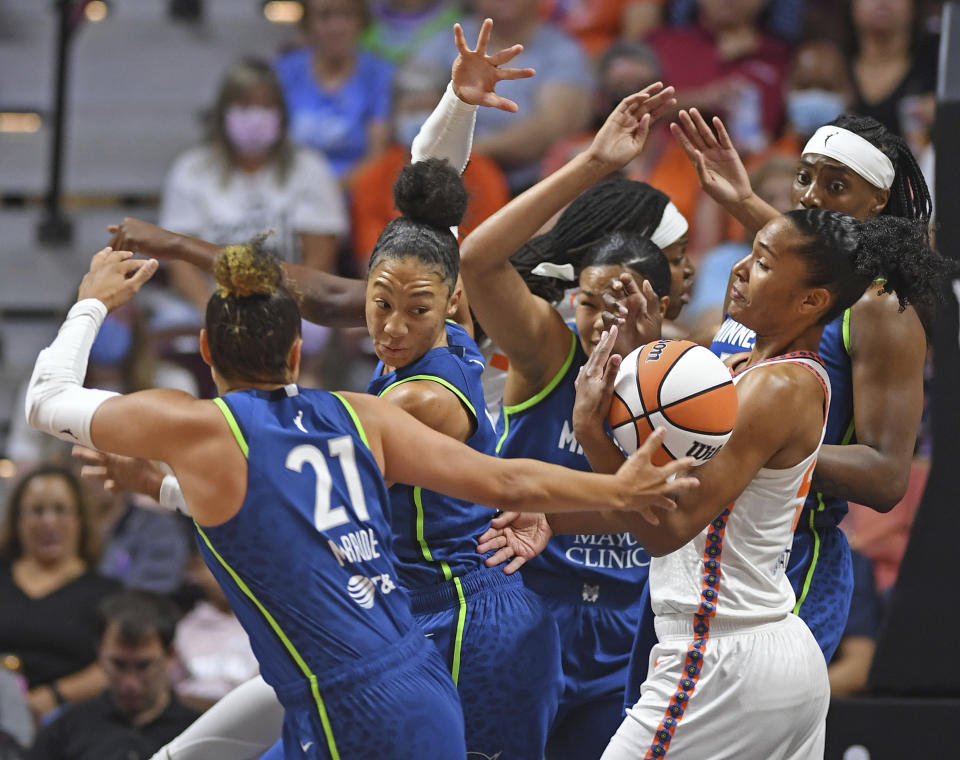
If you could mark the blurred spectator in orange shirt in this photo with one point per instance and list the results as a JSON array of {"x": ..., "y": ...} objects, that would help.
[
  {"x": 417, "y": 88},
  {"x": 597, "y": 23}
]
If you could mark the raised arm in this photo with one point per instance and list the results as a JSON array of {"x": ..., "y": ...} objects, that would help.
[
  {"x": 190, "y": 435},
  {"x": 526, "y": 327},
  {"x": 887, "y": 353},
  {"x": 721, "y": 172},
  {"x": 410, "y": 452},
  {"x": 322, "y": 297}
]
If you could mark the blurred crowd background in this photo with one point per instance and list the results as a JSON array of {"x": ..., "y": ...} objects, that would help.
[{"x": 224, "y": 119}]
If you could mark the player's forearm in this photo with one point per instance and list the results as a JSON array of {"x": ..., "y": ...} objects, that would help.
[
  {"x": 862, "y": 474},
  {"x": 491, "y": 244},
  {"x": 327, "y": 299},
  {"x": 527, "y": 485},
  {"x": 601, "y": 452},
  {"x": 753, "y": 213}
]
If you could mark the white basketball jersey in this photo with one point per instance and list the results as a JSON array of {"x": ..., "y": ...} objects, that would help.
[{"x": 735, "y": 569}]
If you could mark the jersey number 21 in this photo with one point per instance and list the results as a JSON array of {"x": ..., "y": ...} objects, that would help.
[{"x": 325, "y": 518}]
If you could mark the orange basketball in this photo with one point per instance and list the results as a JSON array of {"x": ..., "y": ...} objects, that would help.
[{"x": 678, "y": 385}]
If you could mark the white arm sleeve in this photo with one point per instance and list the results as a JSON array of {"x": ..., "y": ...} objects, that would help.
[
  {"x": 447, "y": 132},
  {"x": 56, "y": 401},
  {"x": 171, "y": 497},
  {"x": 241, "y": 726}
]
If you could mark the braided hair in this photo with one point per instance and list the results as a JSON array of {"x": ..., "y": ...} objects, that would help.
[
  {"x": 909, "y": 196},
  {"x": 618, "y": 204}
]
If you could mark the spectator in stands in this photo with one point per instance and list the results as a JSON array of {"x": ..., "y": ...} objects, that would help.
[
  {"x": 213, "y": 654},
  {"x": 597, "y": 23},
  {"x": 552, "y": 105},
  {"x": 417, "y": 88},
  {"x": 727, "y": 66},
  {"x": 893, "y": 65},
  {"x": 625, "y": 68},
  {"x": 850, "y": 667},
  {"x": 138, "y": 713},
  {"x": 49, "y": 589},
  {"x": 337, "y": 93},
  {"x": 818, "y": 91},
  {"x": 398, "y": 27},
  {"x": 249, "y": 178}
]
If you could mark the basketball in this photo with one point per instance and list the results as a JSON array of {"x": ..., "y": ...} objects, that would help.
[{"x": 681, "y": 386}]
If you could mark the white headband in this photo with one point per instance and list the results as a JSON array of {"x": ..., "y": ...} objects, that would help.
[
  {"x": 672, "y": 227},
  {"x": 559, "y": 271},
  {"x": 860, "y": 155}
]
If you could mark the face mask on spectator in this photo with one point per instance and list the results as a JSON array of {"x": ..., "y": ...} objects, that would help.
[
  {"x": 252, "y": 130},
  {"x": 407, "y": 125},
  {"x": 808, "y": 110}
]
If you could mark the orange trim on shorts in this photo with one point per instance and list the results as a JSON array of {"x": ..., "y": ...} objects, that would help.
[{"x": 693, "y": 663}]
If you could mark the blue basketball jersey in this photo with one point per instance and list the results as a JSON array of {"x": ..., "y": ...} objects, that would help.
[
  {"x": 306, "y": 562},
  {"x": 542, "y": 428},
  {"x": 434, "y": 535}
]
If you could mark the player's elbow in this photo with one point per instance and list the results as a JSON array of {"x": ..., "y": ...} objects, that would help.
[{"x": 892, "y": 487}]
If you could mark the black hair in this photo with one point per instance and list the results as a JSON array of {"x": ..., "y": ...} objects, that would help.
[
  {"x": 633, "y": 251},
  {"x": 618, "y": 204},
  {"x": 138, "y": 615},
  {"x": 431, "y": 198},
  {"x": 851, "y": 40},
  {"x": 845, "y": 255},
  {"x": 252, "y": 319},
  {"x": 909, "y": 196},
  {"x": 11, "y": 547}
]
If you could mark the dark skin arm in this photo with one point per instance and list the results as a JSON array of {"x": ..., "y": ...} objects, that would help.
[
  {"x": 887, "y": 353},
  {"x": 762, "y": 437},
  {"x": 322, "y": 297}
]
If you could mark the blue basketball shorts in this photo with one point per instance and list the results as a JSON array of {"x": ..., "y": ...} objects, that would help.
[
  {"x": 597, "y": 624},
  {"x": 821, "y": 573},
  {"x": 396, "y": 707},
  {"x": 501, "y": 646}
]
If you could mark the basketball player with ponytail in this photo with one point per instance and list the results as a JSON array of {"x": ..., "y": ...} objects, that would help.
[
  {"x": 874, "y": 350},
  {"x": 730, "y": 651},
  {"x": 286, "y": 488},
  {"x": 593, "y": 588}
]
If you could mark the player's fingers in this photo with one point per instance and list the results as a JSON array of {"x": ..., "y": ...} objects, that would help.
[
  {"x": 703, "y": 129},
  {"x": 515, "y": 564},
  {"x": 506, "y": 55},
  {"x": 610, "y": 370},
  {"x": 524, "y": 73},
  {"x": 612, "y": 303},
  {"x": 629, "y": 284},
  {"x": 86, "y": 454},
  {"x": 460, "y": 40},
  {"x": 484, "y": 37},
  {"x": 503, "y": 520},
  {"x": 650, "y": 516},
  {"x": 144, "y": 273},
  {"x": 690, "y": 131},
  {"x": 499, "y": 557},
  {"x": 492, "y": 100},
  {"x": 93, "y": 472},
  {"x": 725, "y": 141}
]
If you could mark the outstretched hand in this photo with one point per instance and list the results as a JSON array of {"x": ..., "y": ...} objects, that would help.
[
  {"x": 475, "y": 74},
  {"x": 624, "y": 133},
  {"x": 136, "y": 235},
  {"x": 650, "y": 484},
  {"x": 722, "y": 174},
  {"x": 634, "y": 310},
  {"x": 120, "y": 474},
  {"x": 115, "y": 277},
  {"x": 517, "y": 536}
]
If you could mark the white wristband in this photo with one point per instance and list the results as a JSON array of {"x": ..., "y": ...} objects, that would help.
[
  {"x": 56, "y": 401},
  {"x": 171, "y": 497},
  {"x": 447, "y": 132}
]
